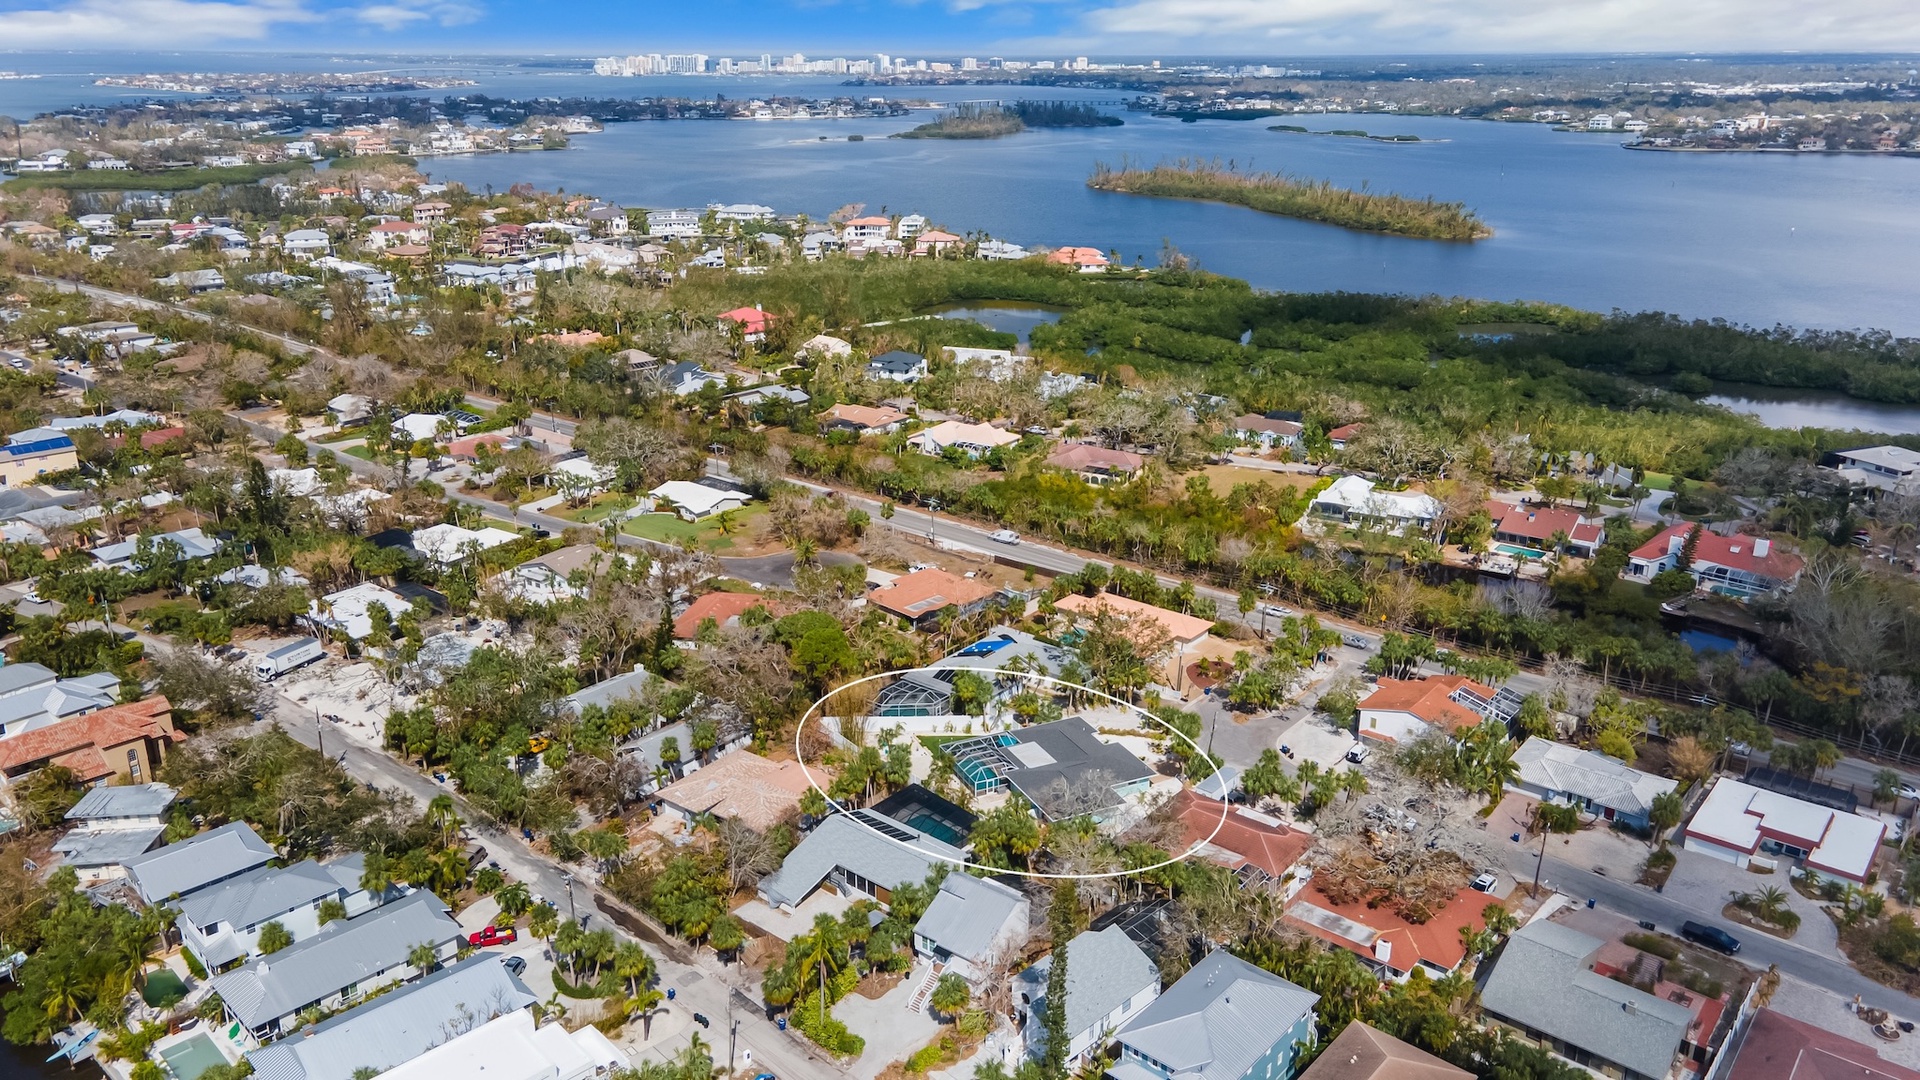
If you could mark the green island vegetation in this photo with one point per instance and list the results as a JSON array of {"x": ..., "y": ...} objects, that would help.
[
  {"x": 1290, "y": 196},
  {"x": 972, "y": 120},
  {"x": 159, "y": 180},
  {"x": 1347, "y": 133}
]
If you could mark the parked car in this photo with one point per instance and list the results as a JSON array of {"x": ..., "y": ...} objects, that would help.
[
  {"x": 1356, "y": 641},
  {"x": 1711, "y": 936},
  {"x": 515, "y": 965},
  {"x": 1908, "y": 791},
  {"x": 493, "y": 935},
  {"x": 1004, "y": 536},
  {"x": 1358, "y": 753},
  {"x": 1486, "y": 881},
  {"x": 1278, "y": 611}
]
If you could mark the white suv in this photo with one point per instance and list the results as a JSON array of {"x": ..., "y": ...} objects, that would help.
[{"x": 1004, "y": 536}]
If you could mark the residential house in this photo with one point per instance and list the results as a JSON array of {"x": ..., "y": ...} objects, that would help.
[
  {"x": 504, "y": 241},
  {"x": 753, "y": 323},
  {"x": 1893, "y": 469},
  {"x": 770, "y": 392},
  {"x": 33, "y": 696},
  {"x": 920, "y": 597},
  {"x": 1339, "y": 437},
  {"x": 898, "y": 365},
  {"x": 222, "y": 923},
  {"x": 817, "y": 245},
  {"x": 1775, "y": 1046},
  {"x": 973, "y": 926},
  {"x": 1084, "y": 259},
  {"x": 1588, "y": 779},
  {"x": 1353, "y": 500},
  {"x": 514, "y": 1047},
  {"x": 1544, "y": 990},
  {"x": 743, "y": 787},
  {"x": 740, "y": 212},
  {"x": 910, "y": 226},
  {"x": 559, "y": 575},
  {"x": 1225, "y": 1019},
  {"x": 340, "y": 964},
  {"x": 193, "y": 281},
  {"x": 697, "y": 502},
  {"x": 936, "y": 242},
  {"x": 1361, "y": 1052},
  {"x": 306, "y": 244},
  {"x": 1064, "y": 768},
  {"x": 205, "y": 859},
  {"x": 1402, "y": 710},
  {"x": 25, "y": 462},
  {"x": 1267, "y": 431},
  {"x": 430, "y": 213},
  {"x": 123, "y": 743},
  {"x": 347, "y": 611},
  {"x": 423, "y": 427},
  {"x": 719, "y": 608},
  {"x": 1386, "y": 941},
  {"x": 677, "y": 223},
  {"x": 397, "y": 1026},
  {"x": 1109, "y": 982},
  {"x": 609, "y": 220},
  {"x": 687, "y": 377},
  {"x": 1740, "y": 567},
  {"x": 1180, "y": 630},
  {"x": 624, "y": 687},
  {"x": 1096, "y": 465},
  {"x": 869, "y": 228},
  {"x": 132, "y": 418},
  {"x": 446, "y": 545},
  {"x": 863, "y": 419},
  {"x": 387, "y": 234},
  {"x": 119, "y": 339},
  {"x": 350, "y": 409},
  {"x": 824, "y": 345},
  {"x": 854, "y": 853},
  {"x": 183, "y": 545},
  {"x": 1251, "y": 844},
  {"x": 1737, "y": 822},
  {"x": 1535, "y": 527},
  {"x": 113, "y": 825},
  {"x": 973, "y": 440}
]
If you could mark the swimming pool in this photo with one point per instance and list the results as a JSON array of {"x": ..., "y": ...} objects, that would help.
[
  {"x": 1519, "y": 552},
  {"x": 191, "y": 1056}
]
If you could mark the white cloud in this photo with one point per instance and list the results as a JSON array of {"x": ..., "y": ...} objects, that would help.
[
  {"x": 404, "y": 13},
  {"x": 148, "y": 23},
  {"x": 1432, "y": 26}
]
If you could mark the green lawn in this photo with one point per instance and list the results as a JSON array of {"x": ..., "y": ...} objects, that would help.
[
  {"x": 360, "y": 452},
  {"x": 669, "y": 528},
  {"x": 1654, "y": 481}
]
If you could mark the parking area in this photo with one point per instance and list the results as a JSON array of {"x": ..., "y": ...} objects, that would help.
[
  {"x": 892, "y": 1032},
  {"x": 1596, "y": 847},
  {"x": 1705, "y": 883},
  {"x": 787, "y": 925},
  {"x": 1315, "y": 738}
]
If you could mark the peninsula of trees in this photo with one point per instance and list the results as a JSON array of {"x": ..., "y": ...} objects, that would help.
[
  {"x": 975, "y": 121},
  {"x": 1291, "y": 196}
]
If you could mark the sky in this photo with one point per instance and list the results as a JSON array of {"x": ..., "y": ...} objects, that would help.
[{"x": 1012, "y": 28}]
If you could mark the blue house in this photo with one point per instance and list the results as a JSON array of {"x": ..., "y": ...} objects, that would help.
[{"x": 1224, "y": 1020}]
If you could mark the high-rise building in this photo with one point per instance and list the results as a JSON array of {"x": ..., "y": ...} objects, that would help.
[{"x": 968, "y": 63}]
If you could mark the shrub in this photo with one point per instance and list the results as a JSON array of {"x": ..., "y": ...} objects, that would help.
[
  {"x": 828, "y": 1033},
  {"x": 194, "y": 967},
  {"x": 1653, "y": 944}
]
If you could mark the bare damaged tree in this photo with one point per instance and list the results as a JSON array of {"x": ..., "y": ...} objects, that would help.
[{"x": 751, "y": 855}]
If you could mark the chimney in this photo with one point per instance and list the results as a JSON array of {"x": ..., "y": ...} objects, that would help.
[
  {"x": 1675, "y": 542},
  {"x": 1762, "y": 548},
  {"x": 1383, "y": 950}
]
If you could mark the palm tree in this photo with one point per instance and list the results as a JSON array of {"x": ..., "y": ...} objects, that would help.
[
  {"x": 514, "y": 899},
  {"x": 824, "y": 949},
  {"x": 544, "y": 921},
  {"x": 631, "y": 962},
  {"x": 442, "y": 815},
  {"x": 423, "y": 957},
  {"x": 568, "y": 941},
  {"x": 645, "y": 1003}
]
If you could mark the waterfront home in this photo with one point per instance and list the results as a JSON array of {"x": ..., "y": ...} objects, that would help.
[
  {"x": 1109, "y": 982},
  {"x": 1893, "y": 469},
  {"x": 1740, "y": 567},
  {"x": 936, "y": 242},
  {"x": 1588, "y": 779},
  {"x": 111, "y": 826},
  {"x": 431, "y": 212},
  {"x": 1536, "y": 527},
  {"x": 898, "y": 366},
  {"x": 1402, "y": 710},
  {"x": 341, "y": 963},
  {"x": 1353, "y": 500},
  {"x": 871, "y": 227},
  {"x": 1225, "y": 1019},
  {"x": 1084, "y": 259},
  {"x": 673, "y": 223}
]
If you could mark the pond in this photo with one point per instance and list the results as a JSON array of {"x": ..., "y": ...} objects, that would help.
[
  {"x": 1777, "y": 407},
  {"x": 1007, "y": 317}
]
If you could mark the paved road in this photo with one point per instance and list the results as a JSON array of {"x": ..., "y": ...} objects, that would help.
[
  {"x": 1757, "y": 950},
  {"x": 703, "y": 986}
]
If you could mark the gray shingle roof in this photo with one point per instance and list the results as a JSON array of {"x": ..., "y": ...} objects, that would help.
[
  {"x": 17, "y": 677},
  {"x": 258, "y": 895},
  {"x": 1104, "y": 969},
  {"x": 398, "y": 1026},
  {"x": 137, "y": 800},
  {"x": 967, "y": 914},
  {"x": 83, "y": 847},
  {"x": 341, "y": 954},
  {"x": 214, "y": 855},
  {"x": 1221, "y": 1017},
  {"x": 844, "y": 842},
  {"x": 1542, "y": 981},
  {"x": 627, "y": 684},
  {"x": 1068, "y": 752}
]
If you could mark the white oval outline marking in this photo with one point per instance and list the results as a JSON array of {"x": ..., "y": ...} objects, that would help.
[{"x": 1192, "y": 849}]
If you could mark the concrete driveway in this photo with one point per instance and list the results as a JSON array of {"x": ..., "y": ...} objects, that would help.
[
  {"x": 1313, "y": 737},
  {"x": 1704, "y": 883},
  {"x": 891, "y": 1031}
]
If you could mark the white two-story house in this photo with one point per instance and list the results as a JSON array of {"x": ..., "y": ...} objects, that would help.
[{"x": 222, "y": 923}]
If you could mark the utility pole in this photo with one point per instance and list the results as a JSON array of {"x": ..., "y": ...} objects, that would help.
[
  {"x": 572, "y": 913},
  {"x": 933, "y": 511},
  {"x": 319, "y": 734}
]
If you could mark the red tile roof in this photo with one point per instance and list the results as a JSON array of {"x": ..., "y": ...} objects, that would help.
[
  {"x": 752, "y": 320},
  {"x": 1345, "y": 432},
  {"x": 77, "y": 742},
  {"x": 1266, "y": 424},
  {"x": 1428, "y": 699},
  {"x": 1538, "y": 522},
  {"x": 1077, "y": 256},
  {"x": 1271, "y": 847},
  {"x": 721, "y": 607},
  {"x": 913, "y": 595},
  {"x": 866, "y": 417},
  {"x": 1436, "y": 941},
  {"x": 1732, "y": 552},
  {"x": 1080, "y": 456},
  {"x": 469, "y": 446}
]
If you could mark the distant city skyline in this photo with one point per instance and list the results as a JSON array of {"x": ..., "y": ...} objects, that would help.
[{"x": 1057, "y": 29}]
